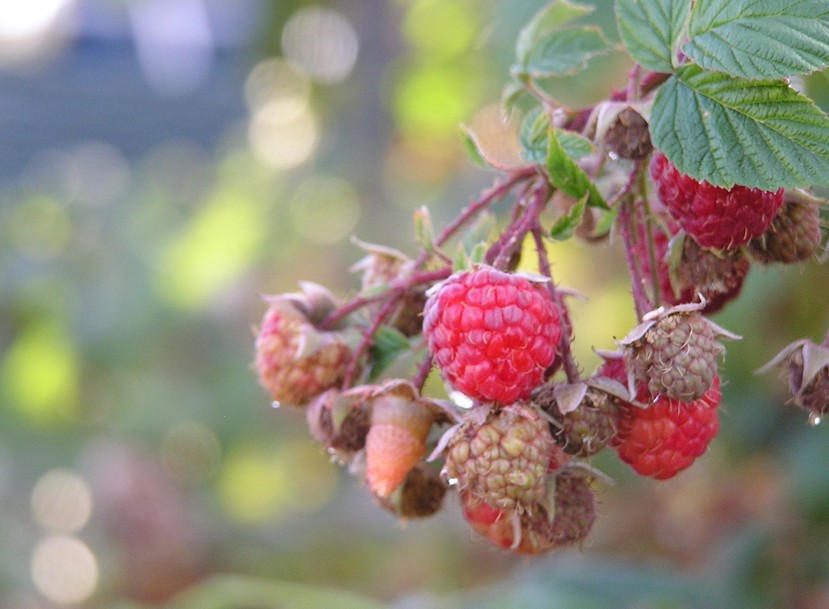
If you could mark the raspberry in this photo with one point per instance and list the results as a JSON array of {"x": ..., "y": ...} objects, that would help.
[
  {"x": 294, "y": 359},
  {"x": 585, "y": 431},
  {"x": 716, "y": 276},
  {"x": 396, "y": 441},
  {"x": 713, "y": 216},
  {"x": 794, "y": 235},
  {"x": 676, "y": 352},
  {"x": 504, "y": 460},
  {"x": 665, "y": 438},
  {"x": 574, "y": 511},
  {"x": 492, "y": 334}
]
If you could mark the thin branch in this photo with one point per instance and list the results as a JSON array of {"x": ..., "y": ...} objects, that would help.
[
  {"x": 368, "y": 340},
  {"x": 423, "y": 370},
  {"x": 571, "y": 369},
  {"x": 640, "y": 299}
]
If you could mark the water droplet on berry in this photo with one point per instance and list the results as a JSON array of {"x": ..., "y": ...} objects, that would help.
[
  {"x": 452, "y": 481},
  {"x": 276, "y": 404},
  {"x": 814, "y": 419},
  {"x": 461, "y": 400}
]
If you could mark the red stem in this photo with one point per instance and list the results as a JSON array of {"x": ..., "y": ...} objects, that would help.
[
  {"x": 640, "y": 299},
  {"x": 368, "y": 340},
  {"x": 571, "y": 369},
  {"x": 423, "y": 371}
]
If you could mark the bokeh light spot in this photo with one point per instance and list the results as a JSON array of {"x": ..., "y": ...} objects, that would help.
[
  {"x": 19, "y": 20},
  {"x": 62, "y": 501},
  {"x": 323, "y": 42},
  {"x": 278, "y": 83},
  {"x": 64, "y": 569},
  {"x": 40, "y": 228},
  {"x": 190, "y": 452},
  {"x": 324, "y": 209},
  {"x": 257, "y": 484},
  {"x": 40, "y": 373},
  {"x": 441, "y": 29},
  {"x": 214, "y": 250},
  {"x": 281, "y": 141},
  {"x": 431, "y": 100}
]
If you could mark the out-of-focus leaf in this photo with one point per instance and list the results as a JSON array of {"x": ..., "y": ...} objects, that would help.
[
  {"x": 554, "y": 15},
  {"x": 533, "y": 138},
  {"x": 563, "y": 52},
  {"x": 471, "y": 148},
  {"x": 567, "y": 224},
  {"x": 389, "y": 344},
  {"x": 237, "y": 591}
]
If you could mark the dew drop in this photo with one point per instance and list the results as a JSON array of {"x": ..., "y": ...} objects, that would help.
[
  {"x": 452, "y": 481},
  {"x": 276, "y": 404},
  {"x": 814, "y": 419}
]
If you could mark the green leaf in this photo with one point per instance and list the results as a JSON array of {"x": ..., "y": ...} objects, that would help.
[
  {"x": 566, "y": 175},
  {"x": 554, "y": 15},
  {"x": 607, "y": 221},
  {"x": 461, "y": 261},
  {"x": 760, "y": 38},
  {"x": 232, "y": 591},
  {"x": 567, "y": 224},
  {"x": 563, "y": 52},
  {"x": 651, "y": 30},
  {"x": 761, "y": 134},
  {"x": 389, "y": 344},
  {"x": 533, "y": 139},
  {"x": 512, "y": 92},
  {"x": 471, "y": 148}
]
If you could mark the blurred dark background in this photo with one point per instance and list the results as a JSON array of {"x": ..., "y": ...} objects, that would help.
[{"x": 163, "y": 162}]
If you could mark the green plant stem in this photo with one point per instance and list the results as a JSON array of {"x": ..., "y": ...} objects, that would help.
[{"x": 649, "y": 221}]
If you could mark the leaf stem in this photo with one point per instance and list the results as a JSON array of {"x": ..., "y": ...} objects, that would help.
[{"x": 640, "y": 299}]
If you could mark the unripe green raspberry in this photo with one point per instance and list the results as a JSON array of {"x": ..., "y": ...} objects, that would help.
[
  {"x": 504, "y": 460},
  {"x": 676, "y": 352},
  {"x": 585, "y": 430},
  {"x": 794, "y": 235}
]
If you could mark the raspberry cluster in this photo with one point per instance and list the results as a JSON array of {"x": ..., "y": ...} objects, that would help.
[{"x": 514, "y": 428}]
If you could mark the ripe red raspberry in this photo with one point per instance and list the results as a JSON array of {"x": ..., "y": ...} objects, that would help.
[
  {"x": 713, "y": 216},
  {"x": 492, "y": 334},
  {"x": 665, "y": 438},
  {"x": 295, "y": 361}
]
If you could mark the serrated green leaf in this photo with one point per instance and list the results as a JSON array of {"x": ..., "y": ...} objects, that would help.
[
  {"x": 563, "y": 52},
  {"x": 759, "y": 38},
  {"x": 566, "y": 175},
  {"x": 554, "y": 15},
  {"x": 651, "y": 29},
  {"x": 471, "y": 148},
  {"x": 567, "y": 224},
  {"x": 533, "y": 139},
  {"x": 389, "y": 344},
  {"x": 761, "y": 134}
]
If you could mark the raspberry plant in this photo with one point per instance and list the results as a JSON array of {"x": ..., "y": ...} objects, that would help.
[{"x": 701, "y": 166}]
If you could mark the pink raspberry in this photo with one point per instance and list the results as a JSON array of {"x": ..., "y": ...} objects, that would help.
[
  {"x": 492, "y": 334},
  {"x": 713, "y": 216}
]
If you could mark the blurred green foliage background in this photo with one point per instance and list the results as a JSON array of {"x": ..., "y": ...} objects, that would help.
[{"x": 164, "y": 162}]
